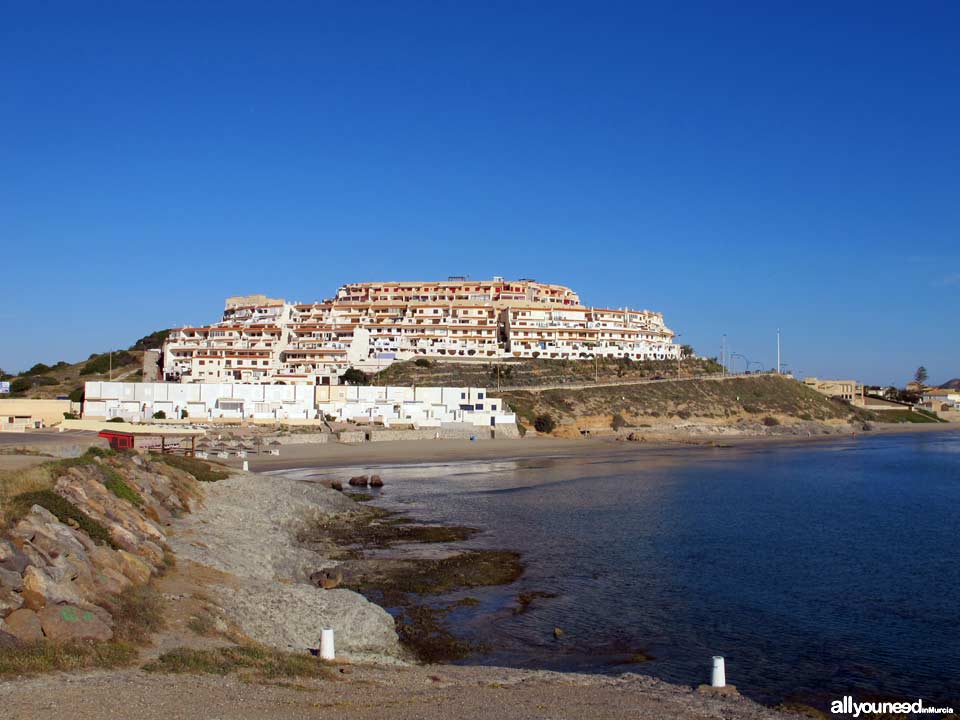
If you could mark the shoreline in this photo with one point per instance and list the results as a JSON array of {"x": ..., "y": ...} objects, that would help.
[{"x": 408, "y": 452}]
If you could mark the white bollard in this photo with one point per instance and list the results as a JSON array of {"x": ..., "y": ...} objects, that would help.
[
  {"x": 326, "y": 644},
  {"x": 246, "y": 466},
  {"x": 719, "y": 678}
]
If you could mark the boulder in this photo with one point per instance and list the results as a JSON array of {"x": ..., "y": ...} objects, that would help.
[
  {"x": 375, "y": 481},
  {"x": 111, "y": 582},
  {"x": 24, "y": 625},
  {"x": 9, "y": 601},
  {"x": 11, "y": 580},
  {"x": 327, "y": 579},
  {"x": 134, "y": 568},
  {"x": 359, "y": 481},
  {"x": 62, "y": 623},
  {"x": 40, "y": 583},
  {"x": 12, "y": 558}
]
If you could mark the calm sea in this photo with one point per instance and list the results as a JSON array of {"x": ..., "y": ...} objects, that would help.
[{"x": 816, "y": 570}]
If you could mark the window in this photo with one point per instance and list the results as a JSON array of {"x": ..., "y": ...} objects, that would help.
[{"x": 480, "y": 396}]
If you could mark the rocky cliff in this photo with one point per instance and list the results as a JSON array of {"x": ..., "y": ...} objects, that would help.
[{"x": 71, "y": 548}]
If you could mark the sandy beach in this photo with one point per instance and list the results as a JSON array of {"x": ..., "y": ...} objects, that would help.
[{"x": 417, "y": 451}]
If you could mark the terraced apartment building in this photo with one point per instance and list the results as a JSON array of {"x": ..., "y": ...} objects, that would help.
[{"x": 370, "y": 325}]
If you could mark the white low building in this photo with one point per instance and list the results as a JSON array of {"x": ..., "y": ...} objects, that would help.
[
  {"x": 138, "y": 402},
  {"x": 422, "y": 407}
]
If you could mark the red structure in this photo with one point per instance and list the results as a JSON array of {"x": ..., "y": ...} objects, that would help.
[{"x": 118, "y": 440}]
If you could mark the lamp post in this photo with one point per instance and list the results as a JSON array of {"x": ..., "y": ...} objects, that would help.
[
  {"x": 778, "y": 351},
  {"x": 679, "y": 354}
]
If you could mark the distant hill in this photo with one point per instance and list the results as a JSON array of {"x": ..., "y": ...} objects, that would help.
[
  {"x": 951, "y": 384},
  {"x": 66, "y": 379}
]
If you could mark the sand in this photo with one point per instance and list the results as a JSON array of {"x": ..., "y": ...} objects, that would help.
[{"x": 419, "y": 451}]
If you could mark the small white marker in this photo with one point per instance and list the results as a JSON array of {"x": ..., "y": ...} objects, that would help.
[
  {"x": 719, "y": 678},
  {"x": 246, "y": 466},
  {"x": 326, "y": 644}
]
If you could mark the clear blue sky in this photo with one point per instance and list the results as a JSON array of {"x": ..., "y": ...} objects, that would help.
[{"x": 739, "y": 166}]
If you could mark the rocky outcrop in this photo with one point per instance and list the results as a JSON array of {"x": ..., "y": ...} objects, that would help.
[
  {"x": 248, "y": 528},
  {"x": 82, "y": 543}
]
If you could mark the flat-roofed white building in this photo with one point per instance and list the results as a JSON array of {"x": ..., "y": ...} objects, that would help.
[{"x": 425, "y": 407}]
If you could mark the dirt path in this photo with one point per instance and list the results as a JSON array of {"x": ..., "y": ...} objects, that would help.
[{"x": 366, "y": 692}]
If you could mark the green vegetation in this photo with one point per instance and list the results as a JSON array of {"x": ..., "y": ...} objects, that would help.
[
  {"x": 20, "y": 385},
  {"x": 50, "y": 657},
  {"x": 533, "y": 373},
  {"x": 202, "y": 471},
  {"x": 63, "y": 509},
  {"x": 99, "y": 364},
  {"x": 152, "y": 341},
  {"x": 906, "y": 416},
  {"x": 261, "y": 662},
  {"x": 353, "y": 376},
  {"x": 76, "y": 395},
  {"x": 764, "y": 395},
  {"x": 159, "y": 415},
  {"x": 119, "y": 487},
  {"x": 770, "y": 421},
  {"x": 544, "y": 423},
  {"x": 137, "y": 613},
  {"x": 38, "y": 369}
]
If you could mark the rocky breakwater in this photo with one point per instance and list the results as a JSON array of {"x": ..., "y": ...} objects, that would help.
[
  {"x": 87, "y": 531},
  {"x": 249, "y": 529}
]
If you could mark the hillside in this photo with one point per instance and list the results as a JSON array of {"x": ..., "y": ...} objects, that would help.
[
  {"x": 749, "y": 402},
  {"x": 951, "y": 384},
  {"x": 531, "y": 373},
  {"x": 63, "y": 378}
]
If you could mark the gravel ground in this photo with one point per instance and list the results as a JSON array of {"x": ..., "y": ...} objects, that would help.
[{"x": 368, "y": 692}]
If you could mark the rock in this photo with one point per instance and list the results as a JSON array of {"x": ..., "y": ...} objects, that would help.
[
  {"x": 11, "y": 580},
  {"x": 62, "y": 623},
  {"x": 134, "y": 568},
  {"x": 336, "y": 485},
  {"x": 6, "y": 639},
  {"x": 359, "y": 481},
  {"x": 12, "y": 558},
  {"x": 327, "y": 579},
  {"x": 53, "y": 585},
  {"x": 111, "y": 582},
  {"x": 375, "y": 481},
  {"x": 24, "y": 625},
  {"x": 9, "y": 601},
  {"x": 557, "y": 633}
]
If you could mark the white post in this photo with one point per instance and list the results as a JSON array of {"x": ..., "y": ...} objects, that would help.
[
  {"x": 246, "y": 466},
  {"x": 719, "y": 678},
  {"x": 326, "y": 644}
]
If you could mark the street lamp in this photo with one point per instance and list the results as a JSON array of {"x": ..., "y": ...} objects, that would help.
[{"x": 679, "y": 354}]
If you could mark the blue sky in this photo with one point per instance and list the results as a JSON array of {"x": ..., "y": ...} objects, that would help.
[{"x": 738, "y": 166}]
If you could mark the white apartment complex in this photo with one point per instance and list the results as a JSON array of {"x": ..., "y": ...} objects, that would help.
[{"x": 370, "y": 325}]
